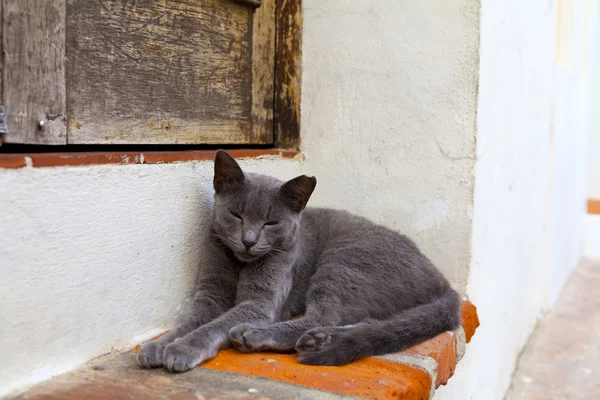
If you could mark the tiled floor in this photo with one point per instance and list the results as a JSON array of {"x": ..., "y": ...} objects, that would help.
[{"x": 562, "y": 359}]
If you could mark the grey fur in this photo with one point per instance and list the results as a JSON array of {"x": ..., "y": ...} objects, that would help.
[{"x": 362, "y": 289}]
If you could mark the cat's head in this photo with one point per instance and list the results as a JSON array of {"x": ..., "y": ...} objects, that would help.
[{"x": 256, "y": 215}]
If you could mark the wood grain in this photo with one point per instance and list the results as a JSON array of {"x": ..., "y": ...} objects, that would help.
[
  {"x": 1, "y": 56},
  {"x": 263, "y": 72},
  {"x": 160, "y": 72},
  {"x": 288, "y": 64},
  {"x": 33, "y": 72}
]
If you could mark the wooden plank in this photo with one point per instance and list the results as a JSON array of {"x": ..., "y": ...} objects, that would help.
[
  {"x": 34, "y": 70},
  {"x": 159, "y": 72},
  {"x": 253, "y": 3},
  {"x": 288, "y": 84},
  {"x": 1, "y": 52},
  {"x": 3, "y": 125},
  {"x": 263, "y": 72}
]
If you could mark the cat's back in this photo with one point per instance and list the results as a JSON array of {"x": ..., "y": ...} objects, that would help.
[
  {"x": 380, "y": 262},
  {"x": 364, "y": 244},
  {"x": 331, "y": 219},
  {"x": 331, "y": 224}
]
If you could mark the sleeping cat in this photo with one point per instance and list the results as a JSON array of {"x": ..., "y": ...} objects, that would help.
[{"x": 361, "y": 289}]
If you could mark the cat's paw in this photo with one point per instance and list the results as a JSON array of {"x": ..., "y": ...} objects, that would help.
[
  {"x": 151, "y": 354},
  {"x": 247, "y": 338},
  {"x": 328, "y": 346},
  {"x": 180, "y": 358},
  {"x": 316, "y": 339}
]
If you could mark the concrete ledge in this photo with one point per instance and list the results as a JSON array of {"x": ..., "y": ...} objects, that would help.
[{"x": 412, "y": 374}]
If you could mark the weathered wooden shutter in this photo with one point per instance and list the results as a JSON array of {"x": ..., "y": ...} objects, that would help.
[
  {"x": 138, "y": 72},
  {"x": 33, "y": 71}
]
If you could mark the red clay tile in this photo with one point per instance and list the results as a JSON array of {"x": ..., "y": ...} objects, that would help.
[
  {"x": 470, "y": 320},
  {"x": 368, "y": 378},
  {"x": 442, "y": 349},
  {"x": 593, "y": 206},
  {"x": 152, "y": 157},
  {"x": 12, "y": 161}
]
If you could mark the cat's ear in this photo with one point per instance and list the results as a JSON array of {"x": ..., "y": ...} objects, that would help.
[
  {"x": 228, "y": 174},
  {"x": 295, "y": 193}
]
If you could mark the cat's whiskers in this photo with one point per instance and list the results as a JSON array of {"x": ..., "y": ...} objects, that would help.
[{"x": 226, "y": 241}]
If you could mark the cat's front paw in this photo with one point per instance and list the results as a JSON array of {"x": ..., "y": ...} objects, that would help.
[
  {"x": 246, "y": 338},
  {"x": 151, "y": 354},
  {"x": 180, "y": 357}
]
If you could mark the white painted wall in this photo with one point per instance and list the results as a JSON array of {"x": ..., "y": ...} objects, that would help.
[
  {"x": 388, "y": 116},
  {"x": 592, "y": 222},
  {"x": 529, "y": 191},
  {"x": 594, "y": 120},
  {"x": 511, "y": 226},
  {"x": 570, "y": 124},
  {"x": 92, "y": 257}
]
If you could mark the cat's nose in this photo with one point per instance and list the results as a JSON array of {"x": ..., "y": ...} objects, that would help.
[
  {"x": 249, "y": 243},
  {"x": 249, "y": 238}
]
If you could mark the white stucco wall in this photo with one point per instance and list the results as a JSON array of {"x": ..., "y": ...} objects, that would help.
[
  {"x": 92, "y": 257},
  {"x": 388, "y": 116},
  {"x": 573, "y": 77},
  {"x": 511, "y": 225},
  {"x": 592, "y": 222},
  {"x": 529, "y": 192},
  {"x": 594, "y": 120}
]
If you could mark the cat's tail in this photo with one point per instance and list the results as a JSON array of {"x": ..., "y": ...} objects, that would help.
[{"x": 342, "y": 345}]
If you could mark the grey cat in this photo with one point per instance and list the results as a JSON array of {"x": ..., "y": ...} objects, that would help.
[{"x": 361, "y": 289}]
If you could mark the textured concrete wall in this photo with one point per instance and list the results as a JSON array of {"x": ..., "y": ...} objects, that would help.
[
  {"x": 91, "y": 257},
  {"x": 388, "y": 116}
]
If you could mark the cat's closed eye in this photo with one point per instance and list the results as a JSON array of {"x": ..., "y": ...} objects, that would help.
[
  {"x": 272, "y": 223},
  {"x": 235, "y": 214}
]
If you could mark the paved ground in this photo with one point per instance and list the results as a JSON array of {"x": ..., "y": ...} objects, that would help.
[{"x": 562, "y": 360}]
